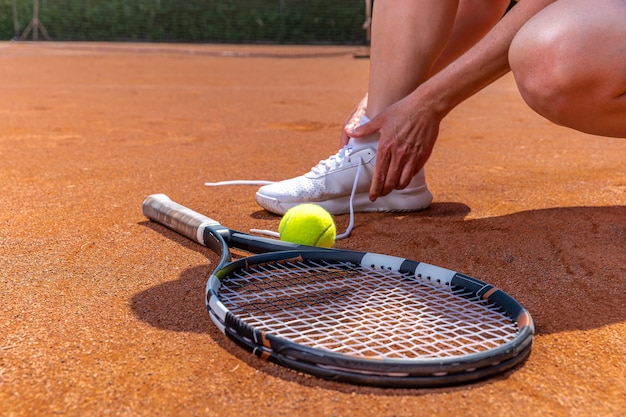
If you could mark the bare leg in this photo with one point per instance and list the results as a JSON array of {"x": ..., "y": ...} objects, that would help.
[
  {"x": 569, "y": 62},
  {"x": 412, "y": 39},
  {"x": 474, "y": 19},
  {"x": 407, "y": 38}
]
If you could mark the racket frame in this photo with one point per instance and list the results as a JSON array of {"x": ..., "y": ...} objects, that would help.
[{"x": 390, "y": 372}]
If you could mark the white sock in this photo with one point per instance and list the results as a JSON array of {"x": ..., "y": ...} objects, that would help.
[{"x": 367, "y": 142}]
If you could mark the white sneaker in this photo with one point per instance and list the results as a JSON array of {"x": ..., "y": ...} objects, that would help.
[{"x": 330, "y": 184}]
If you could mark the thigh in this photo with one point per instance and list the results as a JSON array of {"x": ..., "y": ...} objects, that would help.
[{"x": 585, "y": 31}]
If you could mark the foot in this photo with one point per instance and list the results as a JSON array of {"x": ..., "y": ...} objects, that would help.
[{"x": 330, "y": 185}]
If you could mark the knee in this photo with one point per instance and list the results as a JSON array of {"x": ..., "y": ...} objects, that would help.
[
  {"x": 546, "y": 77},
  {"x": 568, "y": 63}
]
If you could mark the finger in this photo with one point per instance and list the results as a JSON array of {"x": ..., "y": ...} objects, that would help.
[
  {"x": 380, "y": 173},
  {"x": 363, "y": 130},
  {"x": 409, "y": 169},
  {"x": 392, "y": 178},
  {"x": 406, "y": 176},
  {"x": 401, "y": 169}
]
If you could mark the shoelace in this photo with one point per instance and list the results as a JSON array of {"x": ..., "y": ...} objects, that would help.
[
  {"x": 325, "y": 165},
  {"x": 334, "y": 161}
]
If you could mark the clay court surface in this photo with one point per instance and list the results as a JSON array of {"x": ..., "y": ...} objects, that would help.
[{"x": 103, "y": 312}]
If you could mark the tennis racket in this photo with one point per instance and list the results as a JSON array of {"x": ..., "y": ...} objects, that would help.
[{"x": 356, "y": 317}]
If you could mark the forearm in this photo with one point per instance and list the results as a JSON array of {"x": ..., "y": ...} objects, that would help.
[{"x": 480, "y": 66}]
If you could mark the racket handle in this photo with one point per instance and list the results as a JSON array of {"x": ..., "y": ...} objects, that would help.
[{"x": 191, "y": 224}]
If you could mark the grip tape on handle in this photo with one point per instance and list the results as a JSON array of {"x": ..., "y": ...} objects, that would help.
[{"x": 191, "y": 224}]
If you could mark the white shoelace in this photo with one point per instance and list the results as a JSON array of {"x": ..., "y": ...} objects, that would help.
[
  {"x": 334, "y": 161},
  {"x": 325, "y": 165}
]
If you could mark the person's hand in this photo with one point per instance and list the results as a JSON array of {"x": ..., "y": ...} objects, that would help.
[{"x": 407, "y": 136}]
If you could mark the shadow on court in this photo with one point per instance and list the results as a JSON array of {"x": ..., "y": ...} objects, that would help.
[{"x": 552, "y": 267}]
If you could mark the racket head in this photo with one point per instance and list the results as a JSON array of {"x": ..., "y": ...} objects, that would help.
[{"x": 368, "y": 318}]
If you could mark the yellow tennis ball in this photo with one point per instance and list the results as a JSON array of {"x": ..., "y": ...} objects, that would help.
[{"x": 308, "y": 224}]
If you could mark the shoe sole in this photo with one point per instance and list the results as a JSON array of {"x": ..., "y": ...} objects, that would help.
[{"x": 416, "y": 200}]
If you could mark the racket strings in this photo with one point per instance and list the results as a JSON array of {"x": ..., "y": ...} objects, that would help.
[
  {"x": 264, "y": 296},
  {"x": 352, "y": 310}
]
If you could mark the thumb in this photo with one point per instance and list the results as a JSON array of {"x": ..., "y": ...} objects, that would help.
[{"x": 363, "y": 130}]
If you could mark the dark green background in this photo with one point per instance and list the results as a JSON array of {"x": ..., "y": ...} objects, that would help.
[{"x": 236, "y": 21}]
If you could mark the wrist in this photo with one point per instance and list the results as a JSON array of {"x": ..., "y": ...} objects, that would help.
[{"x": 438, "y": 101}]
